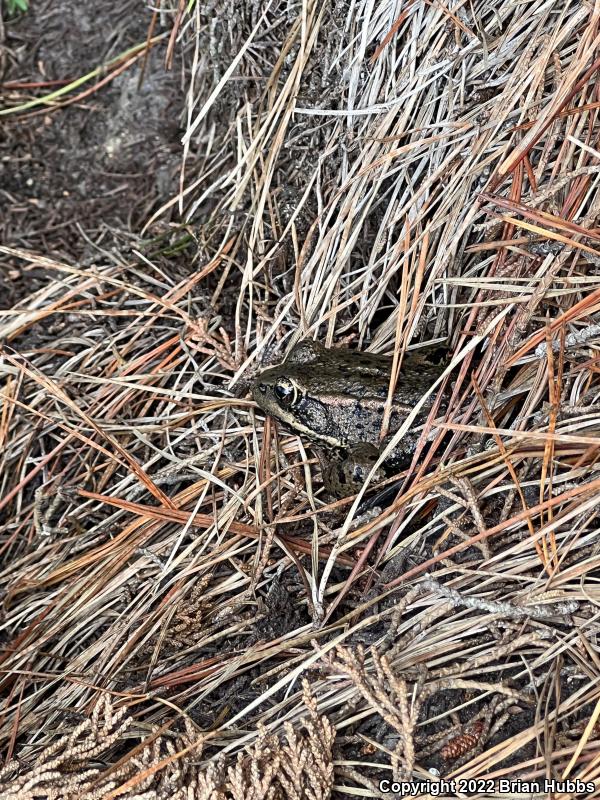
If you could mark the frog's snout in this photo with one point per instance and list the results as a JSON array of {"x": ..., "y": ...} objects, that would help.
[{"x": 259, "y": 392}]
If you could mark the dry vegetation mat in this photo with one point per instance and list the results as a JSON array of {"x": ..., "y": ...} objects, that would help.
[{"x": 184, "y": 612}]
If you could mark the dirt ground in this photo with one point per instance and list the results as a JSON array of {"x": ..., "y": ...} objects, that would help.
[{"x": 82, "y": 180}]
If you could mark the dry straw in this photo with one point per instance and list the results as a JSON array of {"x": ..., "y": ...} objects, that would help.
[{"x": 384, "y": 174}]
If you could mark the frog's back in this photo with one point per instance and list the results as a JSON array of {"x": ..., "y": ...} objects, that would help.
[{"x": 353, "y": 387}]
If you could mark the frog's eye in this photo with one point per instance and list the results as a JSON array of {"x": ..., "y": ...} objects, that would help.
[{"x": 285, "y": 392}]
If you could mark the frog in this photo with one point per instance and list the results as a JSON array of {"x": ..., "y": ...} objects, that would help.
[{"x": 335, "y": 398}]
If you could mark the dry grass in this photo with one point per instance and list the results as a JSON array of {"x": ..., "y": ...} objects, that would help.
[{"x": 384, "y": 174}]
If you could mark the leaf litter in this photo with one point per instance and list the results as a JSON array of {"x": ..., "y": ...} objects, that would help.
[{"x": 184, "y": 612}]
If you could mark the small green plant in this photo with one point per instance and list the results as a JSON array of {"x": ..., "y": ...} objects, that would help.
[{"x": 16, "y": 7}]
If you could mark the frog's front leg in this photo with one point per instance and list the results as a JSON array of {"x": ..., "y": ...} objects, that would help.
[{"x": 345, "y": 471}]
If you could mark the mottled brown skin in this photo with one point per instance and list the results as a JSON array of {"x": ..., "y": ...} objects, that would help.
[{"x": 336, "y": 399}]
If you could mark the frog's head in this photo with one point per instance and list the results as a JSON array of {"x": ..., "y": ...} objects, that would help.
[
  {"x": 284, "y": 392},
  {"x": 276, "y": 393},
  {"x": 277, "y": 390}
]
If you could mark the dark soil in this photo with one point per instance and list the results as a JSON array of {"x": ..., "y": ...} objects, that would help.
[{"x": 85, "y": 176}]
